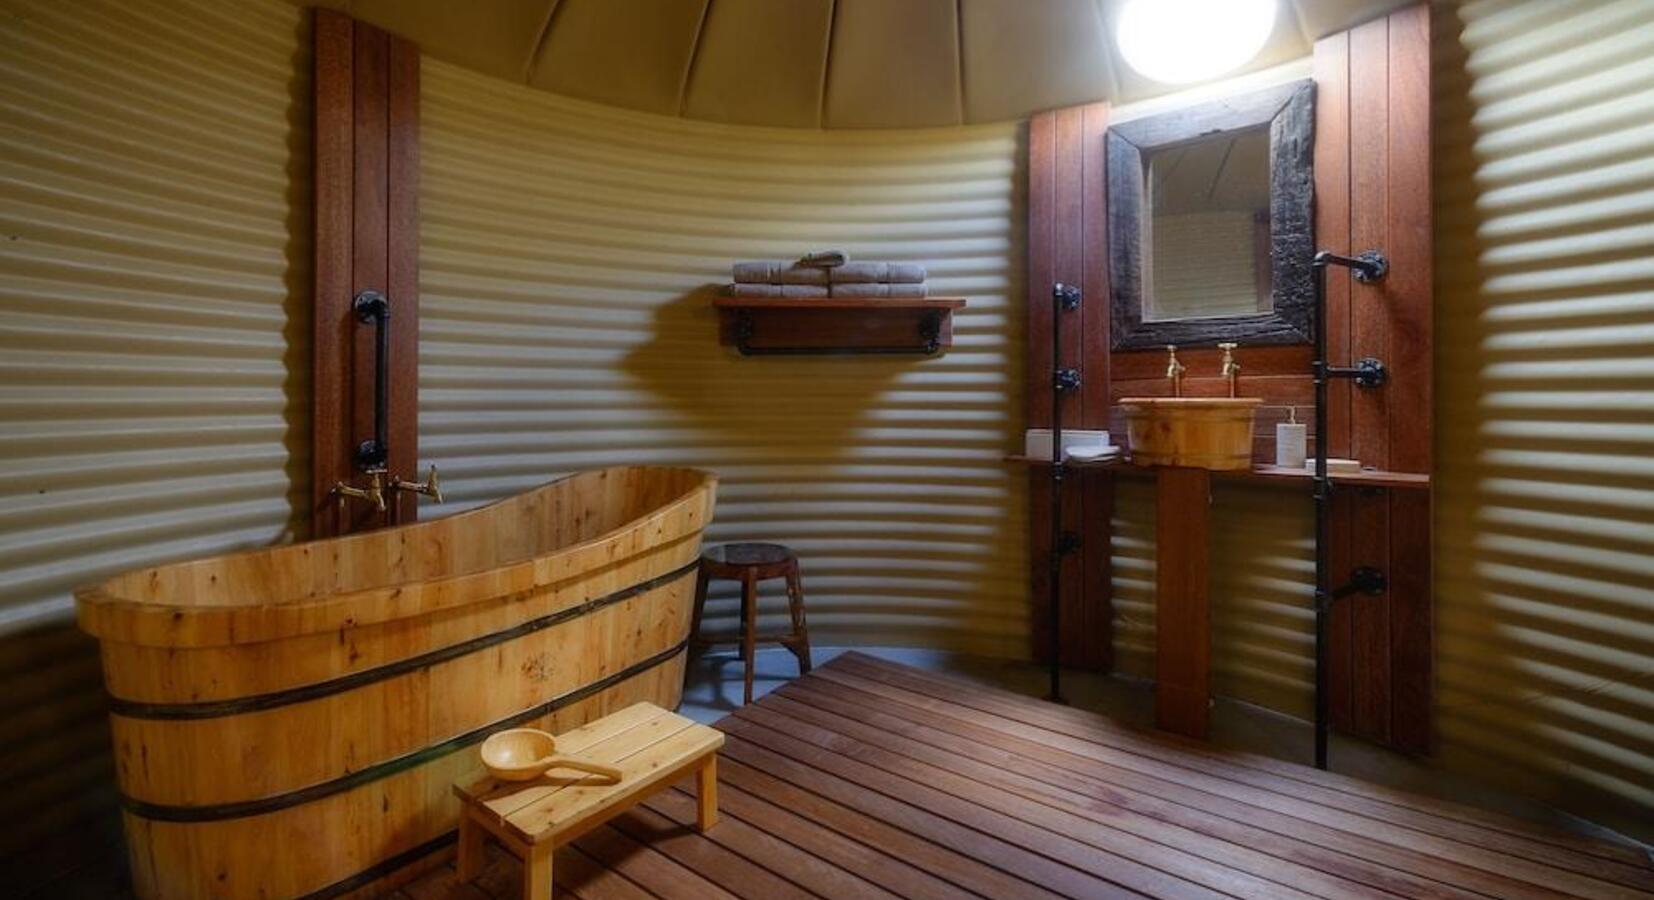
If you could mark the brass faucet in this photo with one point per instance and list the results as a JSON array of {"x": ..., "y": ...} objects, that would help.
[
  {"x": 374, "y": 493},
  {"x": 1174, "y": 370},
  {"x": 429, "y": 487},
  {"x": 1231, "y": 369}
]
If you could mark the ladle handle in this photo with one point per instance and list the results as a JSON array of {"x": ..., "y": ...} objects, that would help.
[{"x": 581, "y": 765}]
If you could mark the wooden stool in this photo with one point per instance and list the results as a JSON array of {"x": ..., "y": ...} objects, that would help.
[
  {"x": 652, "y": 748},
  {"x": 750, "y": 564}
]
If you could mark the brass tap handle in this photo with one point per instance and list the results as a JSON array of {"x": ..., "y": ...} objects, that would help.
[
  {"x": 374, "y": 493},
  {"x": 1231, "y": 368},
  {"x": 430, "y": 487},
  {"x": 1174, "y": 370}
]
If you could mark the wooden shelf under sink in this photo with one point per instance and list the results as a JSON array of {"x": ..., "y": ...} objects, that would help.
[
  {"x": 846, "y": 326},
  {"x": 1258, "y": 473}
]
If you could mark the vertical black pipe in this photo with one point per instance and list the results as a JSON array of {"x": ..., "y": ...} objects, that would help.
[
  {"x": 1058, "y": 293},
  {"x": 1322, "y": 498},
  {"x": 372, "y": 306}
]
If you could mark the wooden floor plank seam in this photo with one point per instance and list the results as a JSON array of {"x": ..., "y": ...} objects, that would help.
[
  {"x": 867, "y": 779},
  {"x": 940, "y": 860},
  {"x": 1061, "y": 822},
  {"x": 1194, "y": 808},
  {"x": 1218, "y": 849},
  {"x": 1365, "y": 791},
  {"x": 1400, "y": 832},
  {"x": 1262, "y": 803}
]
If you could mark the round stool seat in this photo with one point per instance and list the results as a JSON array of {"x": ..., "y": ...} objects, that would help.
[
  {"x": 732, "y": 557},
  {"x": 750, "y": 563}
]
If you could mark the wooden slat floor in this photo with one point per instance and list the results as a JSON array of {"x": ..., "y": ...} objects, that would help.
[{"x": 872, "y": 779}]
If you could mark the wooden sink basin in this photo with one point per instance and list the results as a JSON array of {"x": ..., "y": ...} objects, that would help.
[{"x": 1195, "y": 432}]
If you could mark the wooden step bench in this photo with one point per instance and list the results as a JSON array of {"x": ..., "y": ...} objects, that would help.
[{"x": 652, "y": 747}]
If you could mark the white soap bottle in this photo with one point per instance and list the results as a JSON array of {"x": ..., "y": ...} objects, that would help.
[{"x": 1291, "y": 441}]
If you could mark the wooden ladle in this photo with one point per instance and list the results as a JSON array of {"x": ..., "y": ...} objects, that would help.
[{"x": 524, "y": 754}]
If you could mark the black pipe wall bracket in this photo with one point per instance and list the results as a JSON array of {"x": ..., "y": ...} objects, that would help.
[{"x": 373, "y": 307}]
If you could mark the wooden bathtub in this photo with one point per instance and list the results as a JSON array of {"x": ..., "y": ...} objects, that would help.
[{"x": 287, "y": 721}]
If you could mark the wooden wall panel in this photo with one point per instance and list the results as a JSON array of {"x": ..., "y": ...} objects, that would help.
[
  {"x": 367, "y": 238},
  {"x": 1066, "y": 243},
  {"x": 1372, "y": 184},
  {"x": 1372, "y": 162}
]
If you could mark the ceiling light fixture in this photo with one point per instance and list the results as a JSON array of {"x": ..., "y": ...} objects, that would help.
[{"x": 1182, "y": 41}]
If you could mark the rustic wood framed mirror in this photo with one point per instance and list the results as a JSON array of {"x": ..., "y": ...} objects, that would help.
[{"x": 1211, "y": 222}]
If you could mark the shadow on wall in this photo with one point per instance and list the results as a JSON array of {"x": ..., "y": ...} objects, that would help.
[
  {"x": 751, "y": 403},
  {"x": 1544, "y": 554},
  {"x": 60, "y": 804}
]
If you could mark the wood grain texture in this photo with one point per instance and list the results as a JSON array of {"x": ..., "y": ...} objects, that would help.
[
  {"x": 366, "y": 238},
  {"x": 334, "y": 190},
  {"x": 1067, "y": 232},
  {"x": 345, "y": 681},
  {"x": 1183, "y": 602},
  {"x": 1374, "y": 192},
  {"x": 870, "y": 779}
]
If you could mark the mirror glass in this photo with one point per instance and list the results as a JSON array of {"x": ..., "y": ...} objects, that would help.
[{"x": 1207, "y": 242}]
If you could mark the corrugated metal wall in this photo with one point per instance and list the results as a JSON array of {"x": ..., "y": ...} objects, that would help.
[
  {"x": 1545, "y": 318},
  {"x": 153, "y": 264},
  {"x": 153, "y": 268},
  {"x": 568, "y": 256}
]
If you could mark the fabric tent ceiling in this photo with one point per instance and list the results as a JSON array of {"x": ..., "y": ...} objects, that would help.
[{"x": 815, "y": 63}]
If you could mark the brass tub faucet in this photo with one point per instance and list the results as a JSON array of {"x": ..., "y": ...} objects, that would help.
[
  {"x": 1231, "y": 368},
  {"x": 1174, "y": 370},
  {"x": 430, "y": 487},
  {"x": 374, "y": 493}
]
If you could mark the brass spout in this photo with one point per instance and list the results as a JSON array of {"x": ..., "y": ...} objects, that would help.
[
  {"x": 374, "y": 493},
  {"x": 430, "y": 487},
  {"x": 1174, "y": 370},
  {"x": 1231, "y": 368}
]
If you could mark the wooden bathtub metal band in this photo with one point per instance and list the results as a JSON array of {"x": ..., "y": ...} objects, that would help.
[
  {"x": 160, "y": 812},
  {"x": 212, "y": 709},
  {"x": 382, "y": 868}
]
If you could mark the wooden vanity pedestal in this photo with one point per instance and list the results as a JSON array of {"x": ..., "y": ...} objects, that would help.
[{"x": 1183, "y": 600}]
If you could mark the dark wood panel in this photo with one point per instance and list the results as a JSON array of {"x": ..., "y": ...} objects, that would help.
[
  {"x": 1411, "y": 629},
  {"x": 402, "y": 266},
  {"x": 1332, "y": 218},
  {"x": 370, "y": 233},
  {"x": 1066, "y": 231},
  {"x": 366, "y": 238},
  {"x": 1042, "y": 187},
  {"x": 1369, "y": 539},
  {"x": 333, "y": 189},
  {"x": 1407, "y": 289},
  {"x": 1183, "y": 608},
  {"x": 1369, "y": 220}
]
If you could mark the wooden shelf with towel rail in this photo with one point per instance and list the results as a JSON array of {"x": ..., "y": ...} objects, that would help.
[{"x": 836, "y": 326}]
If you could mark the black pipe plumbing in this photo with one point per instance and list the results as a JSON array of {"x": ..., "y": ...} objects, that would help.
[
  {"x": 1367, "y": 268},
  {"x": 1064, "y": 298},
  {"x": 372, "y": 306}
]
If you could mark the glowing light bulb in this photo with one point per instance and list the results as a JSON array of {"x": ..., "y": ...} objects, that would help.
[{"x": 1181, "y": 41}]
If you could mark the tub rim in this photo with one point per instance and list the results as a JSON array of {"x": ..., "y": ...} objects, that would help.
[{"x": 110, "y": 617}]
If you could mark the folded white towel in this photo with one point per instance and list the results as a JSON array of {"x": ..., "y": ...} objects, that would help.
[
  {"x": 869, "y": 272},
  {"x": 879, "y": 289},
  {"x": 760, "y": 271},
  {"x": 824, "y": 259},
  {"x": 777, "y": 290},
  {"x": 776, "y": 272},
  {"x": 802, "y": 275}
]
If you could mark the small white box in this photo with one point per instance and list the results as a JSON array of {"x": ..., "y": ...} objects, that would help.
[{"x": 1036, "y": 443}]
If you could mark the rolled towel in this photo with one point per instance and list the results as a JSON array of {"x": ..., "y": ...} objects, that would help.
[
  {"x": 872, "y": 272},
  {"x": 880, "y": 289},
  {"x": 777, "y": 290},
  {"x": 824, "y": 259}
]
